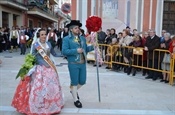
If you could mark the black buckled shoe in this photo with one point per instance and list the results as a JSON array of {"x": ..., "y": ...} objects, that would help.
[{"x": 78, "y": 104}]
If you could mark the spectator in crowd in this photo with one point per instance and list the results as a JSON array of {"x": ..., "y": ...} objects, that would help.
[
  {"x": 107, "y": 39},
  {"x": 113, "y": 34},
  {"x": 29, "y": 33},
  {"x": 14, "y": 35},
  {"x": 58, "y": 32},
  {"x": 82, "y": 33},
  {"x": 125, "y": 42},
  {"x": 7, "y": 34},
  {"x": 108, "y": 34},
  {"x": 129, "y": 30},
  {"x": 144, "y": 60},
  {"x": 166, "y": 57},
  {"x": 136, "y": 43},
  {"x": 118, "y": 53},
  {"x": 111, "y": 52},
  {"x": 162, "y": 39},
  {"x": 22, "y": 29},
  {"x": 135, "y": 32},
  {"x": 153, "y": 42},
  {"x": 64, "y": 33},
  {"x": 52, "y": 38},
  {"x": 101, "y": 36},
  {"x": 161, "y": 55},
  {"x": 3, "y": 41},
  {"x": 22, "y": 41},
  {"x": 172, "y": 45},
  {"x": 120, "y": 36}
]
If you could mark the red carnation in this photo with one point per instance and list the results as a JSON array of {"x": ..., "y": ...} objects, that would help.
[{"x": 93, "y": 23}]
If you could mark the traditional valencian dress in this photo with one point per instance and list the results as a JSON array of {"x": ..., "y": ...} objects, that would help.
[{"x": 41, "y": 93}]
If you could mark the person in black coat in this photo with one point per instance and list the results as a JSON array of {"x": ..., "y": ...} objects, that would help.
[
  {"x": 152, "y": 43},
  {"x": 101, "y": 36}
]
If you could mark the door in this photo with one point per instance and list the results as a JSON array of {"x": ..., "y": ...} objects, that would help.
[
  {"x": 14, "y": 20},
  {"x": 30, "y": 23},
  {"x": 5, "y": 19},
  {"x": 169, "y": 16}
]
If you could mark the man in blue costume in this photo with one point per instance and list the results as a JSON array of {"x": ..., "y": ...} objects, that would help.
[{"x": 75, "y": 49}]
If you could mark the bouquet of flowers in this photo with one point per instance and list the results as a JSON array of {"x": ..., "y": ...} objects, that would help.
[
  {"x": 93, "y": 24},
  {"x": 30, "y": 61}
]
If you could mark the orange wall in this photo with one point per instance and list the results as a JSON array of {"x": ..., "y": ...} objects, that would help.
[
  {"x": 146, "y": 13},
  {"x": 89, "y": 8},
  {"x": 74, "y": 9},
  {"x": 154, "y": 4},
  {"x": 36, "y": 19}
]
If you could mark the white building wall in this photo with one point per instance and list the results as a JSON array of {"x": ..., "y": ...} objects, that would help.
[
  {"x": 0, "y": 16},
  {"x": 92, "y": 7},
  {"x": 159, "y": 17},
  {"x": 84, "y": 14}
]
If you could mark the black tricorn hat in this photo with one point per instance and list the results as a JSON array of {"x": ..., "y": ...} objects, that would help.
[{"x": 74, "y": 23}]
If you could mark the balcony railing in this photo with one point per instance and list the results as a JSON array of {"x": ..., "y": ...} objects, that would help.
[
  {"x": 20, "y": 3},
  {"x": 41, "y": 6}
]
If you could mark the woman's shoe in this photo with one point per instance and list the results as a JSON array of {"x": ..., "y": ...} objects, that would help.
[
  {"x": 125, "y": 69},
  {"x": 129, "y": 70},
  {"x": 143, "y": 74},
  {"x": 134, "y": 73},
  {"x": 162, "y": 80},
  {"x": 166, "y": 81},
  {"x": 78, "y": 104}
]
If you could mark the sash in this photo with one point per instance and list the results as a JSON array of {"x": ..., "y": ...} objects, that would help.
[{"x": 44, "y": 56}]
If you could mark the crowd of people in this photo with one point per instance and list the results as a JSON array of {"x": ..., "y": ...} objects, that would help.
[
  {"x": 147, "y": 40},
  {"x": 22, "y": 37}
]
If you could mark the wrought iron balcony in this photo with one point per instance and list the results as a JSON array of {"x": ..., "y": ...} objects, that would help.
[
  {"x": 34, "y": 5},
  {"x": 41, "y": 9}
]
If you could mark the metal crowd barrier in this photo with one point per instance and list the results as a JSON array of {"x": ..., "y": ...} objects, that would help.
[
  {"x": 172, "y": 74},
  {"x": 136, "y": 54}
]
